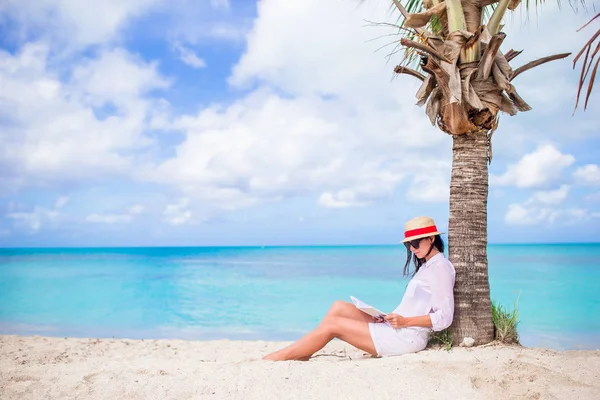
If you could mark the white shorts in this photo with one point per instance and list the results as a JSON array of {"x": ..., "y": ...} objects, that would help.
[{"x": 390, "y": 341}]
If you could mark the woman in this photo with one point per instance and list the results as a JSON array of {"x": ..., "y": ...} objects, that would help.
[{"x": 428, "y": 304}]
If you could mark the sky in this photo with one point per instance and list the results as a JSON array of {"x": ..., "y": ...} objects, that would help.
[{"x": 235, "y": 122}]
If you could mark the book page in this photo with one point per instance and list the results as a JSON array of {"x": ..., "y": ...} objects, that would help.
[{"x": 364, "y": 307}]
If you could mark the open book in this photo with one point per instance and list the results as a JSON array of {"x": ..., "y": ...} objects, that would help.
[{"x": 364, "y": 307}]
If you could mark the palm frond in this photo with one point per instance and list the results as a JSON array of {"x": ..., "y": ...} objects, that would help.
[
  {"x": 410, "y": 57},
  {"x": 486, "y": 13},
  {"x": 587, "y": 64}
]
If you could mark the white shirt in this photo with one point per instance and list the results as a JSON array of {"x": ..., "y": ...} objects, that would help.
[{"x": 431, "y": 291}]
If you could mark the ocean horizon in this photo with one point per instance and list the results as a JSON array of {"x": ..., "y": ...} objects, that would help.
[
  {"x": 273, "y": 292},
  {"x": 149, "y": 246}
]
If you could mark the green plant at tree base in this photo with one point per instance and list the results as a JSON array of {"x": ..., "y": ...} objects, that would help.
[
  {"x": 505, "y": 323},
  {"x": 443, "y": 338}
]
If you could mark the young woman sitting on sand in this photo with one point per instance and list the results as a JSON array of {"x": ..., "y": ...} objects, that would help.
[{"x": 427, "y": 304}]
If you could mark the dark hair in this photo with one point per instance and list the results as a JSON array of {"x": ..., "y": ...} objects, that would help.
[{"x": 438, "y": 243}]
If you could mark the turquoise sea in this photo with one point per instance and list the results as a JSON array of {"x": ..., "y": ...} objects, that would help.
[{"x": 273, "y": 293}]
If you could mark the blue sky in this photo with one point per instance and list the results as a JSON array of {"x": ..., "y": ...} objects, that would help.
[{"x": 154, "y": 122}]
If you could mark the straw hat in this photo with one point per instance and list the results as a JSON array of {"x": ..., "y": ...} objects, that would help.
[{"x": 420, "y": 227}]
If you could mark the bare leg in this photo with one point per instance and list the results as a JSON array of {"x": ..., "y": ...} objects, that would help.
[
  {"x": 347, "y": 310},
  {"x": 340, "y": 322}
]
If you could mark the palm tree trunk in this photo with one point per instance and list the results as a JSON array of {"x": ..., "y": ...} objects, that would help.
[{"x": 467, "y": 239}]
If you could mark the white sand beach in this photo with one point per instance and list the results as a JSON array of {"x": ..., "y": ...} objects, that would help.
[{"x": 69, "y": 368}]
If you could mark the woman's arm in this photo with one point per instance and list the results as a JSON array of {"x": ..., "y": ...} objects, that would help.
[
  {"x": 421, "y": 320},
  {"x": 442, "y": 297},
  {"x": 398, "y": 321}
]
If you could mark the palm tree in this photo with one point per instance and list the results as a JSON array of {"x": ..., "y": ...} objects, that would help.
[{"x": 466, "y": 81}]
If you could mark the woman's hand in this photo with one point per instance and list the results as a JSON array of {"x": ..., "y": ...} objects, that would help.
[
  {"x": 378, "y": 320},
  {"x": 396, "y": 321}
]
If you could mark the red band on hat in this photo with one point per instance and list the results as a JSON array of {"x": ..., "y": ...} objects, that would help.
[{"x": 420, "y": 231}]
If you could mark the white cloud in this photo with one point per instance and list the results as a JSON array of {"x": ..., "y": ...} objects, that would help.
[
  {"x": 549, "y": 197},
  {"x": 588, "y": 174},
  {"x": 122, "y": 218},
  {"x": 593, "y": 197},
  {"x": 188, "y": 57},
  {"x": 220, "y": 4},
  {"x": 178, "y": 213},
  {"x": 109, "y": 218},
  {"x": 340, "y": 199},
  {"x": 35, "y": 219},
  {"x": 267, "y": 147},
  {"x": 543, "y": 207},
  {"x": 374, "y": 183},
  {"x": 75, "y": 22},
  {"x": 228, "y": 31},
  {"x": 78, "y": 129},
  {"x": 348, "y": 148},
  {"x": 204, "y": 21},
  {"x": 430, "y": 187},
  {"x": 326, "y": 122},
  {"x": 541, "y": 167},
  {"x": 519, "y": 215},
  {"x": 332, "y": 57},
  {"x": 61, "y": 202},
  {"x": 116, "y": 76},
  {"x": 136, "y": 209}
]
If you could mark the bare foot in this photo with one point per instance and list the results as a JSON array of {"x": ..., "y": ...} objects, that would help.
[
  {"x": 273, "y": 356},
  {"x": 281, "y": 356}
]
